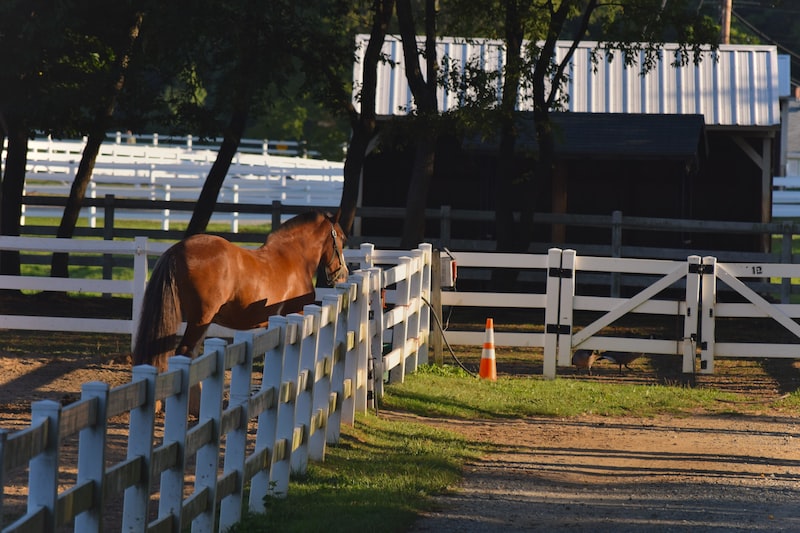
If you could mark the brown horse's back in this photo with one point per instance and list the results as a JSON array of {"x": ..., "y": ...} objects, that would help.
[{"x": 240, "y": 288}]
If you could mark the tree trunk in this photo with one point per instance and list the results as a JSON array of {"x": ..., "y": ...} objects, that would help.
[
  {"x": 416, "y": 201},
  {"x": 353, "y": 164},
  {"x": 11, "y": 192},
  {"x": 363, "y": 124},
  {"x": 66, "y": 229},
  {"x": 60, "y": 261},
  {"x": 424, "y": 91},
  {"x": 508, "y": 235},
  {"x": 204, "y": 207}
]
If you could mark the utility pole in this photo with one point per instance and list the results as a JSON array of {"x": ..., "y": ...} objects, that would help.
[{"x": 725, "y": 20}]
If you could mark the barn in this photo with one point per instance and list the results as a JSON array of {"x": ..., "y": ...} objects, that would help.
[{"x": 699, "y": 141}]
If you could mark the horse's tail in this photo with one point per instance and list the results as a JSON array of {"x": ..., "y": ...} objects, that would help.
[{"x": 157, "y": 334}]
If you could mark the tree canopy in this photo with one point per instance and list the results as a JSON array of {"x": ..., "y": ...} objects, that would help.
[{"x": 229, "y": 67}]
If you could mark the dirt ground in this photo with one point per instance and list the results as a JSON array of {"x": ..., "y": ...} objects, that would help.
[
  {"x": 699, "y": 472},
  {"x": 592, "y": 474}
]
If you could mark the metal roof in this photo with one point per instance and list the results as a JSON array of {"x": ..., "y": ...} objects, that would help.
[{"x": 735, "y": 86}]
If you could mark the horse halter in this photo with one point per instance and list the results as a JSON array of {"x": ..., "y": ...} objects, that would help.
[{"x": 341, "y": 271}]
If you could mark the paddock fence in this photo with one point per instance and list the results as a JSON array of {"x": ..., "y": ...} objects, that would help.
[
  {"x": 178, "y": 172},
  {"x": 320, "y": 368}
]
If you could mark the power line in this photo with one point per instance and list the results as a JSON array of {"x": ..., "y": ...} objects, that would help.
[{"x": 766, "y": 37}]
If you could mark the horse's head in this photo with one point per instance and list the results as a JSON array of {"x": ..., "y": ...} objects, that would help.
[{"x": 333, "y": 256}]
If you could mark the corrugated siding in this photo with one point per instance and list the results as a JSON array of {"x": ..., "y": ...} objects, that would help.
[{"x": 737, "y": 85}]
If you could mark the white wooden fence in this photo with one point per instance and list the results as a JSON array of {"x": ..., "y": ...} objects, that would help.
[
  {"x": 177, "y": 172},
  {"x": 685, "y": 290},
  {"x": 786, "y": 189},
  {"x": 319, "y": 369}
]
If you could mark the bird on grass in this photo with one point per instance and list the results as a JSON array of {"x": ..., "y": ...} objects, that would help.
[
  {"x": 621, "y": 358},
  {"x": 584, "y": 359}
]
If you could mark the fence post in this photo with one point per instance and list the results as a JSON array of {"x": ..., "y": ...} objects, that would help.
[
  {"x": 177, "y": 412},
  {"x": 93, "y": 208},
  {"x": 616, "y": 250},
  {"x": 287, "y": 405},
  {"x": 376, "y": 332},
  {"x": 424, "y": 297},
  {"x": 207, "y": 457},
  {"x": 235, "y": 214},
  {"x": 341, "y": 302},
  {"x": 693, "y": 309},
  {"x": 436, "y": 339},
  {"x": 308, "y": 331},
  {"x": 551, "y": 312},
  {"x": 350, "y": 357},
  {"x": 166, "y": 213},
  {"x": 266, "y": 436},
  {"x": 565, "y": 315},
  {"x": 140, "y": 444},
  {"x": 43, "y": 469},
  {"x": 108, "y": 233},
  {"x": 415, "y": 308},
  {"x": 276, "y": 214},
  {"x": 786, "y": 258},
  {"x": 230, "y": 508},
  {"x": 400, "y": 330},
  {"x": 360, "y": 309},
  {"x": 140, "y": 270},
  {"x": 367, "y": 249},
  {"x": 321, "y": 389},
  {"x": 707, "y": 324},
  {"x": 91, "y": 457}
]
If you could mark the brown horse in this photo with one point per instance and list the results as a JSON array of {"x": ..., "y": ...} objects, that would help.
[{"x": 206, "y": 279}]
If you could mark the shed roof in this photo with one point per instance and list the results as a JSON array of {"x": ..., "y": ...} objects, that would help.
[{"x": 735, "y": 86}]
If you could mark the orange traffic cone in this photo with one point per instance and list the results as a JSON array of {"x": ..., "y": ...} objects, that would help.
[{"x": 488, "y": 368}]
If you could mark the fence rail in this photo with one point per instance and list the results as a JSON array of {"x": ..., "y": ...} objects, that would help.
[{"x": 318, "y": 370}]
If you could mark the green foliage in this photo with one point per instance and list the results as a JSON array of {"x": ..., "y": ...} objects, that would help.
[{"x": 377, "y": 478}]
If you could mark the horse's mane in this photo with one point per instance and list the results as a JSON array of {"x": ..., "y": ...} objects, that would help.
[{"x": 296, "y": 221}]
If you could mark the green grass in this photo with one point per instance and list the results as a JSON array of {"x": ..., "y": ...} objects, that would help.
[
  {"x": 377, "y": 478},
  {"x": 150, "y": 225},
  {"x": 450, "y": 392}
]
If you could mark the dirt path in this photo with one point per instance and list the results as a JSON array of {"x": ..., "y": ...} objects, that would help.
[{"x": 699, "y": 473}]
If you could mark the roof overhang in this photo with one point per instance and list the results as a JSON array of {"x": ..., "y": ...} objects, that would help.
[{"x": 608, "y": 136}]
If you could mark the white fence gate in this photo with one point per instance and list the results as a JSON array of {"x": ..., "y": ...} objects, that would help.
[
  {"x": 684, "y": 290},
  {"x": 320, "y": 368}
]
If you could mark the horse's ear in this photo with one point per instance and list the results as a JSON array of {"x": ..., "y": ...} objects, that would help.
[{"x": 337, "y": 216}]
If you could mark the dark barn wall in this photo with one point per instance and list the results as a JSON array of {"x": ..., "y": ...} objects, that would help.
[
  {"x": 723, "y": 185},
  {"x": 728, "y": 188},
  {"x": 643, "y": 188}
]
